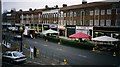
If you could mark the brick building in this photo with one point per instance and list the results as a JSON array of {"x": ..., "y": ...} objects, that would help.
[{"x": 95, "y": 19}]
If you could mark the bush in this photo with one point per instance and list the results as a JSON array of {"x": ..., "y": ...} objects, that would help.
[{"x": 82, "y": 45}]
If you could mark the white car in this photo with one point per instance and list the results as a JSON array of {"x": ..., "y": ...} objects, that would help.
[{"x": 13, "y": 56}]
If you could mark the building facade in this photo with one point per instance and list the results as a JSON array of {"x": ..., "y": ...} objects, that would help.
[{"x": 95, "y": 19}]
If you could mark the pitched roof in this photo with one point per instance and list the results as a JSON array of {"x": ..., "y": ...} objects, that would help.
[{"x": 86, "y": 5}]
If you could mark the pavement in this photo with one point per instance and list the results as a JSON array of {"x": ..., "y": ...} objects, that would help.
[{"x": 41, "y": 59}]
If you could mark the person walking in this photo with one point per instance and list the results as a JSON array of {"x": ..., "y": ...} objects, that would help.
[
  {"x": 35, "y": 50},
  {"x": 31, "y": 53}
]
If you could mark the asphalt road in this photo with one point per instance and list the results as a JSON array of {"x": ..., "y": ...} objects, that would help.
[{"x": 73, "y": 55}]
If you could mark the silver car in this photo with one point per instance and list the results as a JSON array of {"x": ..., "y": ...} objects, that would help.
[{"x": 13, "y": 57}]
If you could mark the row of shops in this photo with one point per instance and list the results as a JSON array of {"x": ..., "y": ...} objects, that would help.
[{"x": 71, "y": 29}]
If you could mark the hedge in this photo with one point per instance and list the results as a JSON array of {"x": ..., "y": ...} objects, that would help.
[{"x": 82, "y": 45}]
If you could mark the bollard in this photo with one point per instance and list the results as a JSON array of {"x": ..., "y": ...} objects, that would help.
[
  {"x": 65, "y": 61},
  {"x": 37, "y": 51},
  {"x": 93, "y": 49},
  {"x": 46, "y": 40},
  {"x": 58, "y": 42},
  {"x": 114, "y": 54}
]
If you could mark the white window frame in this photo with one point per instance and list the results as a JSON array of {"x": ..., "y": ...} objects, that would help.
[
  {"x": 75, "y": 14},
  {"x": 97, "y": 11},
  {"x": 91, "y": 22},
  {"x": 74, "y": 22},
  {"x": 102, "y": 12},
  {"x": 71, "y": 13},
  {"x": 64, "y": 14},
  {"x": 96, "y": 23},
  {"x": 109, "y": 11},
  {"x": 91, "y": 13},
  {"x": 108, "y": 22},
  {"x": 101, "y": 22}
]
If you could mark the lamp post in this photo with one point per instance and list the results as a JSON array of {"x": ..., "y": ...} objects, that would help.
[{"x": 21, "y": 31}]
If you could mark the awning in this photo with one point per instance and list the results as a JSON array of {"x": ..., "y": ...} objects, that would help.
[
  {"x": 105, "y": 38},
  {"x": 79, "y": 35}
]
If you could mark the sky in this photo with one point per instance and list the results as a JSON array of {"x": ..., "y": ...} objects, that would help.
[{"x": 38, "y": 4}]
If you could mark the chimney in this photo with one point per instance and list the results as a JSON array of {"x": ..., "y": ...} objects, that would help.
[
  {"x": 64, "y": 5},
  {"x": 30, "y": 9},
  {"x": 46, "y": 6},
  {"x": 56, "y": 6},
  {"x": 84, "y": 2}
]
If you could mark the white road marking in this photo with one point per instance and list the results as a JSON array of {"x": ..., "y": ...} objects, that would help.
[
  {"x": 33, "y": 62},
  {"x": 45, "y": 45},
  {"x": 59, "y": 49},
  {"x": 35, "y": 42},
  {"x": 82, "y": 56},
  {"x": 53, "y": 64}
]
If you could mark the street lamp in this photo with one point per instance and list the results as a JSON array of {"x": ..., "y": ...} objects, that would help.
[{"x": 21, "y": 31}]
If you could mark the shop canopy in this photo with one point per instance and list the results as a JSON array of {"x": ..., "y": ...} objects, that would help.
[
  {"x": 105, "y": 39},
  {"x": 50, "y": 31},
  {"x": 79, "y": 35}
]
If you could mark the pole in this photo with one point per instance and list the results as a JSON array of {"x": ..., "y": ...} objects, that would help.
[{"x": 21, "y": 42}]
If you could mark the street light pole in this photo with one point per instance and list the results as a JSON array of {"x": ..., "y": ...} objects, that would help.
[{"x": 21, "y": 29}]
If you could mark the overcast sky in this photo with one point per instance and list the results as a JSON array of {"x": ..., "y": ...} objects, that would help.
[{"x": 38, "y": 4}]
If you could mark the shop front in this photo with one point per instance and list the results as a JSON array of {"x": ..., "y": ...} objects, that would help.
[
  {"x": 85, "y": 29},
  {"x": 70, "y": 29},
  {"x": 107, "y": 31},
  {"x": 61, "y": 30}
]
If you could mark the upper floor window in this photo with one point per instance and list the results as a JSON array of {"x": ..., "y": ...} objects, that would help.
[
  {"x": 102, "y": 22},
  {"x": 108, "y": 22},
  {"x": 74, "y": 22},
  {"x": 97, "y": 12},
  {"x": 108, "y": 11},
  {"x": 91, "y": 13},
  {"x": 71, "y": 13},
  {"x": 91, "y": 22},
  {"x": 67, "y": 14},
  {"x": 102, "y": 12},
  {"x": 64, "y": 14},
  {"x": 74, "y": 14},
  {"x": 96, "y": 23}
]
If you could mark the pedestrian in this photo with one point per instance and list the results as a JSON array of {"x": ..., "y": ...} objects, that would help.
[
  {"x": 31, "y": 53},
  {"x": 35, "y": 50}
]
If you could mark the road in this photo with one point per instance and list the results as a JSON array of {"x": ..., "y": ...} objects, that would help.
[{"x": 73, "y": 55}]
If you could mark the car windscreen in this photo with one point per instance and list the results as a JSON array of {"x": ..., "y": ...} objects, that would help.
[{"x": 17, "y": 54}]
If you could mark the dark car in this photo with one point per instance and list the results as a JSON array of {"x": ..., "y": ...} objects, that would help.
[{"x": 13, "y": 57}]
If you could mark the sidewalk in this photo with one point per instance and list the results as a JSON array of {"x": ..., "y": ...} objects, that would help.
[{"x": 41, "y": 59}]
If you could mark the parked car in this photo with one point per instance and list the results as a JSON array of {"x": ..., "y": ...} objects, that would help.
[{"x": 13, "y": 57}]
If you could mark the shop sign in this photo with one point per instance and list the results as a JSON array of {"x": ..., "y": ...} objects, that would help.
[{"x": 84, "y": 27}]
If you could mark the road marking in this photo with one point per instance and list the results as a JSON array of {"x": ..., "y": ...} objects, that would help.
[
  {"x": 33, "y": 62},
  {"x": 82, "y": 56},
  {"x": 53, "y": 64},
  {"x": 59, "y": 49},
  {"x": 45, "y": 45},
  {"x": 35, "y": 42}
]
